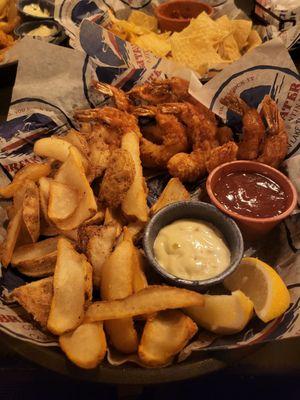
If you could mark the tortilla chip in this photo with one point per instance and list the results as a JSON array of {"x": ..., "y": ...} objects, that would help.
[
  {"x": 253, "y": 40},
  {"x": 203, "y": 28},
  {"x": 158, "y": 44},
  {"x": 242, "y": 29},
  {"x": 229, "y": 49},
  {"x": 146, "y": 21},
  {"x": 225, "y": 23},
  {"x": 200, "y": 58}
]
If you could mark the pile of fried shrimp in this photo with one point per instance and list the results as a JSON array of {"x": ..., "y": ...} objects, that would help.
[
  {"x": 9, "y": 19},
  {"x": 77, "y": 217},
  {"x": 182, "y": 136}
]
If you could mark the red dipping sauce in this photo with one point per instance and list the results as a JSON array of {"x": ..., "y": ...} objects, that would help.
[{"x": 251, "y": 194}]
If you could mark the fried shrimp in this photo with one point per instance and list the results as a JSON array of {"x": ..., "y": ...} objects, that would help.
[
  {"x": 188, "y": 167},
  {"x": 120, "y": 98},
  {"x": 108, "y": 126},
  {"x": 201, "y": 132},
  {"x": 117, "y": 179},
  {"x": 275, "y": 145},
  {"x": 173, "y": 90},
  {"x": 253, "y": 127},
  {"x": 221, "y": 154},
  {"x": 171, "y": 134}
]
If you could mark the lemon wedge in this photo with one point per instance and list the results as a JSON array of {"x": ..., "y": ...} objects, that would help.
[
  {"x": 223, "y": 314},
  {"x": 262, "y": 285}
]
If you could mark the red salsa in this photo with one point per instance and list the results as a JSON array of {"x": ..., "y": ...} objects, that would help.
[{"x": 251, "y": 194}]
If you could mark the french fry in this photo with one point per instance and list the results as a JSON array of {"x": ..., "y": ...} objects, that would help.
[
  {"x": 63, "y": 201},
  {"x": 35, "y": 298},
  {"x": 13, "y": 231},
  {"x": 134, "y": 204},
  {"x": 71, "y": 275},
  {"x": 31, "y": 210},
  {"x": 147, "y": 301},
  {"x": 113, "y": 217},
  {"x": 36, "y": 259},
  {"x": 78, "y": 140},
  {"x": 32, "y": 172},
  {"x": 97, "y": 243},
  {"x": 95, "y": 219},
  {"x": 44, "y": 190},
  {"x": 116, "y": 283},
  {"x": 174, "y": 191},
  {"x": 165, "y": 334},
  {"x": 135, "y": 229},
  {"x": 139, "y": 278},
  {"x": 86, "y": 345},
  {"x": 58, "y": 149},
  {"x": 71, "y": 172}
]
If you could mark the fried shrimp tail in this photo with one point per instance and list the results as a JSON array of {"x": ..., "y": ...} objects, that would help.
[
  {"x": 253, "y": 127},
  {"x": 222, "y": 154},
  {"x": 119, "y": 96},
  {"x": 275, "y": 146}
]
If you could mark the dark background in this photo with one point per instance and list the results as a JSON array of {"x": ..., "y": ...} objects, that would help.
[{"x": 272, "y": 371}]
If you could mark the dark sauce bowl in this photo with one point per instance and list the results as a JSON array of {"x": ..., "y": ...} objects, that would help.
[
  {"x": 253, "y": 227},
  {"x": 201, "y": 211},
  {"x": 168, "y": 13},
  {"x": 44, "y": 5}
]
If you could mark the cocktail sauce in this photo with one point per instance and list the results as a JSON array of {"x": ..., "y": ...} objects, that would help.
[{"x": 251, "y": 194}]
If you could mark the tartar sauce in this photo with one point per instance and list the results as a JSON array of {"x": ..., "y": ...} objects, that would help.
[
  {"x": 42, "y": 31},
  {"x": 191, "y": 249},
  {"x": 35, "y": 10}
]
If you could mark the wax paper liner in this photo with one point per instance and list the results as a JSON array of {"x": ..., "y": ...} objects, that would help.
[
  {"x": 52, "y": 81},
  {"x": 282, "y": 14}
]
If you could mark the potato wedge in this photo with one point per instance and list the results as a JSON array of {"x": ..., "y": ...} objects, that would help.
[
  {"x": 147, "y": 301},
  {"x": 31, "y": 210},
  {"x": 51, "y": 230},
  {"x": 78, "y": 140},
  {"x": 52, "y": 147},
  {"x": 165, "y": 335},
  {"x": 36, "y": 259},
  {"x": 139, "y": 278},
  {"x": 86, "y": 346},
  {"x": 44, "y": 190},
  {"x": 95, "y": 219},
  {"x": 13, "y": 231},
  {"x": 57, "y": 148},
  {"x": 72, "y": 271},
  {"x": 116, "y": 283},
  {"x": 63, "y": 201},
  {"x": 71, "y": 173},
  {"x": 31, "y": 171},
  {"x": 36, "y": 298},
  {"x": 135, "y": 229},
  {"x": 97, "y": 243},
  {"x": 113, "y": 217},
  {"x": 134, "y": 204},
  {"x": 174, "y": 191}
]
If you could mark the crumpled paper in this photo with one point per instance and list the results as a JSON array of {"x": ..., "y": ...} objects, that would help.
[{"x": 51, "y": 82}]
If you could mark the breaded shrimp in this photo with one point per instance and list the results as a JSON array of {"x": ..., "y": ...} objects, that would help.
[
  {"x": 117, "y": 179},
  {"x": 275, "y": 146},
  {"x": 221, "y": 154},
  {"x": 173, "y": 138},
  {"x": 253, "y": 127}
]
